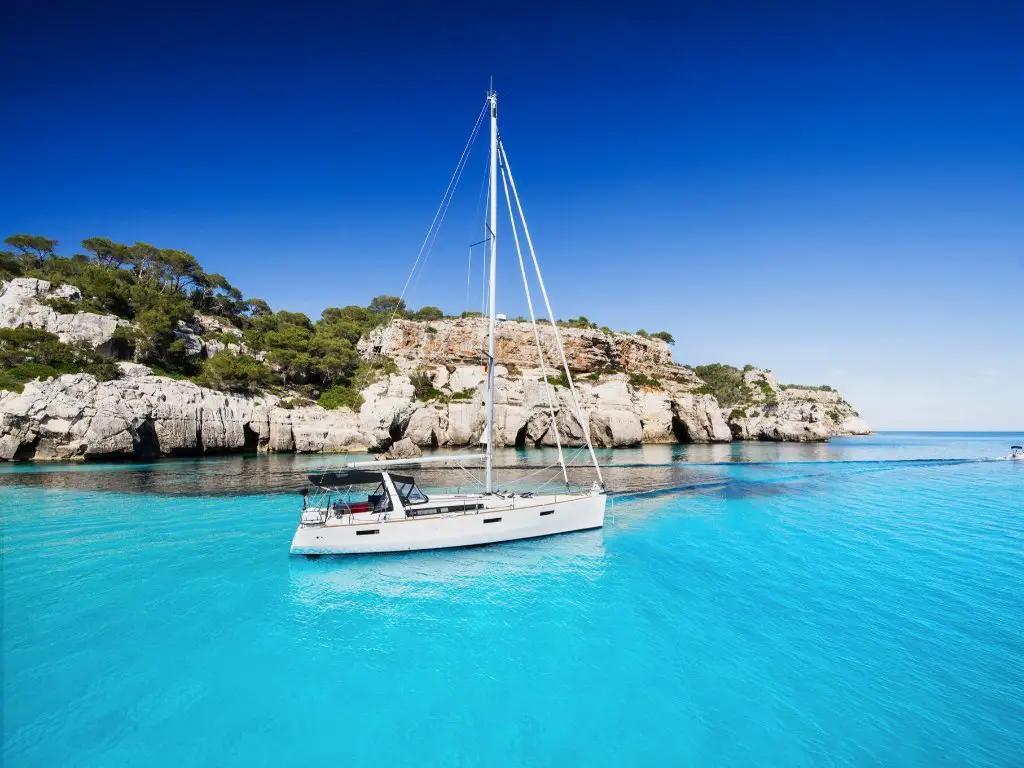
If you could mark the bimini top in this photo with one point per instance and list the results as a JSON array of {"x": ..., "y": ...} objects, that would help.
[
  {"x": 1016, "y": 448},
  {"x": 353, "y": 477}
]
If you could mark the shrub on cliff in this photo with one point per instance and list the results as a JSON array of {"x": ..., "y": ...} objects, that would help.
[
  {"x": 30, "y": 353},
  {"x": 371, "y": 371},
  {"x": 14, "y": 379},
  {"x": 724, "y": 382},
  {"x": 423, "y": 387},
  {"x": 643, "y": 381},
  {"x": 770, "y": 398},
  {"x": 233, "y": 373},
  {"x": 302, "y": 352},
  {"x": 340, "y": 397},
  {"x": 816, "y": 388},
  {"x": 664, "y": 336},
  {"x": 348, "y": 323},
  {"x": 559, "y": 380},
  {"x": 576, "y": 322},
  {"x": 427, "y": 313},
  {"x": 10, "y": 265},
  {"x": 61, "y": 306},
  {"x": 156, "y": 343}
]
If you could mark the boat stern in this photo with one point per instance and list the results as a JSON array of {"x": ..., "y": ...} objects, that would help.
[{"x": 308, "y": 540}]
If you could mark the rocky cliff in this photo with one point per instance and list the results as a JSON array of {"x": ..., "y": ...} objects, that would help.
[
  {"x": 461, "y": 341},
  {"x": 23, "y": 304},
  {"x": 630, "y": 389},
  {"x": 792, "y": 413}
]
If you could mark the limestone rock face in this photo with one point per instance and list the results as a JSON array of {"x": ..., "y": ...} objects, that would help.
[
  {"x": 196, "y": 335},
  {"x": 386, "y": 411},
  {"x": 459, "y": 342},
  {"x": 615, "y": 429},
  {"x": 465, "y": 423},
  {"x": 66, "y": 292},
  {"x": 142, "y": 415},
  {"x": 450, "y": 352},
  {"x": 509, "y": 424},
  {"x": 852, "y": 425},
  {"x": 21, "y": 306},
  {"x": 797, "y": 414},
  {"x": 426, "y": 428},
  {"x": 698, "y": 419},
  {"x": 403, "y": 449},
  {"x": 627, "y": 387},
  {"x": 656, "y": 417}
]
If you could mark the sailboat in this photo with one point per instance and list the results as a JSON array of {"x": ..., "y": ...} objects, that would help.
[{"x": 377, "y": 506}]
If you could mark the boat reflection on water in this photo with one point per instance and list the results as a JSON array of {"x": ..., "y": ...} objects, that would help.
[{"x": 329, "y": 583}]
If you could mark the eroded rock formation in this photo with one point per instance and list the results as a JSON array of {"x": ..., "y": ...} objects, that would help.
[
  {"x": 792, "y": 414},
  {"x": 629, "y": 389},
  {"x": 22, "y": 305}
]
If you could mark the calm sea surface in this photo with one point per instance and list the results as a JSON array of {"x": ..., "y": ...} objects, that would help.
[{"x": 855, "y": 603}]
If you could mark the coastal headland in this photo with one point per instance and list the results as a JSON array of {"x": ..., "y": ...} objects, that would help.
[{"x": 135, "y": 351}]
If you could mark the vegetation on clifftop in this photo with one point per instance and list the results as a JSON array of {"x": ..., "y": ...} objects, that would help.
[
  {"x": 724, "y": 382},
  {"x": 160, "y": 290},
  {"x": 816, "y": 388},
  {"x": 30, "y": 353},
  {"x": 643, "y": 381}
]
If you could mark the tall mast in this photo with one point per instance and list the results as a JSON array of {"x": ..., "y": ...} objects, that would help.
[{"x": 492, "y": 97}]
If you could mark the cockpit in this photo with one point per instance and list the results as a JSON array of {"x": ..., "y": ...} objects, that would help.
[{"x": 359, "y": 491}]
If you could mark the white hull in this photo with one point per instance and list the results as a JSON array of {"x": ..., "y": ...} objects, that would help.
[{"x": 503, "y": 519}]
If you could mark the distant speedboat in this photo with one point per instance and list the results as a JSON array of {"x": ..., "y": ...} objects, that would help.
[
  {"x": 367, "y": 508},
  {"x": 1016, "y": 452}
]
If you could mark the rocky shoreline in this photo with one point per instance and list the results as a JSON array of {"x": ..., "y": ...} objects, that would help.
[{"x": 629, "y": 386}]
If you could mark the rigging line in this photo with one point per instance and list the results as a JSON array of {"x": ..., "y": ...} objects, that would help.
[
  {"x": 444, "y": 214},
  {"x": 533, "y": 320},
  {"x": 469, "y": 474},
  {"x": 549, "y": 480},
  {"x": 469, "y": 275},
  {"x": 537, "y": 471},
  {"x": 469, "y": 142},
  {"x": 452, "y": 183},
  {"x": 584, "y": 422},
  {"x": 483, "y": 287},
  {"x": 476, "y": 212}
]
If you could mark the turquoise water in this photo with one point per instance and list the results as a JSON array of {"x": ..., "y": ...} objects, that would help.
[{"x": 857, "y": 603}]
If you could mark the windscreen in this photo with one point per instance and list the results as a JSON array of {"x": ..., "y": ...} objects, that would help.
[{"x": 410, "y": 493}]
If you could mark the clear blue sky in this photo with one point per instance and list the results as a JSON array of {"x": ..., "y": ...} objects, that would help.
[{"x": 832, "y": 190}]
